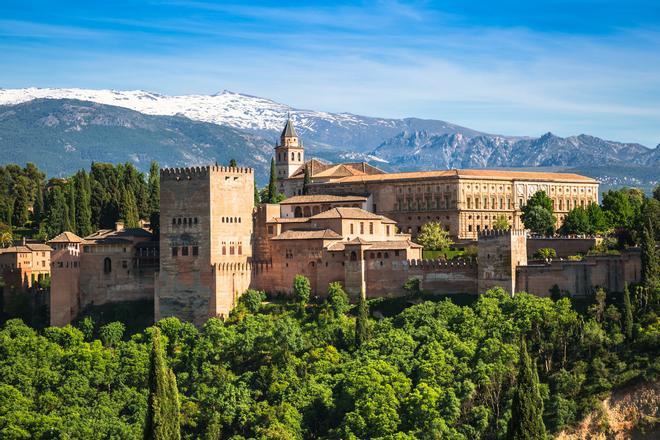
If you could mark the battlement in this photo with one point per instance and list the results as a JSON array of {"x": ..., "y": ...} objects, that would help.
[
  {"x": 441, "y": 264},
  {"x": 495, "y": 233},
  {"x": 189, "y": 172}
]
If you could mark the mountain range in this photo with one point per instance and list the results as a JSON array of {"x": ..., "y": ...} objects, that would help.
[{"x": 65, "y": 129}]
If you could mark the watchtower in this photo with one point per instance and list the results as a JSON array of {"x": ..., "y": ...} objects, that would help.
[
  {"x": 499, "y": 252},
  {"x": 205, "y": 227}
]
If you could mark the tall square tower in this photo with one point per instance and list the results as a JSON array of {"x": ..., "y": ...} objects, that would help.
[{"x": 205, "y": 241}]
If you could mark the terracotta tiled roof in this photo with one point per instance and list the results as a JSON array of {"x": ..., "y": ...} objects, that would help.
[
  {"x": 323, "y": 234},
  {"x": 319, "y": 169},
  {"x": 477, "y": 174},
  {"x": 15, "y": 250},
  {"x": 112, "y": 236},
  {"x": 321, "y": 198},
  {"x": 66, "y": 237},
  {"x": 358, "y": 240},
  {"x": 351, "y": 213},
  {"x": 38, "y": 247},
  {"x": 288, "y": 220},
  {"x": 377, "y": 245}
]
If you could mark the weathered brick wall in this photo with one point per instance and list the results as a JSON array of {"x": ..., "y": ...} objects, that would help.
[
  {"x": 499, "y": 252},
  {"x": 65, "y": 284}
]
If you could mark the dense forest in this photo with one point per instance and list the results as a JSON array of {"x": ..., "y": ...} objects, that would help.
[
  {"x": 278, "y": 370},
  {"x": 82, "y": 203}
]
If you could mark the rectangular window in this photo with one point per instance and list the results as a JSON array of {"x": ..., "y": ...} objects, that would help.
[
  {"x": 175, "y": 251},
  {"x": 469, "y": 202},
  {"x": 361, "y": 227},
  {"x": 184, "y": 251},
  {"x": 371, "y": 228},
  {"x": 387, "y": 229},
  {"x": 195, "y": 251},
  {"x": 351, "y": 228}
]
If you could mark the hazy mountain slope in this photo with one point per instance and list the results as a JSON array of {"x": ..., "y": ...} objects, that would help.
[{"x": 61, "y": 136}]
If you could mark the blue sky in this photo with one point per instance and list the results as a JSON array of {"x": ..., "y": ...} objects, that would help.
[{"x": 510, "y": 67}]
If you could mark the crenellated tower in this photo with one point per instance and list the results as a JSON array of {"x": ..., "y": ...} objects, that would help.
[
  {"x": 205, "y": 241},
  {"x": 290, "y": 153}
]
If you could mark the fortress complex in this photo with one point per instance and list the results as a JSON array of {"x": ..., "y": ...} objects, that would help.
[{"x": 356, "y": 225}]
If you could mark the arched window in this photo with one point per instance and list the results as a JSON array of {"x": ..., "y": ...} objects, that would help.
[
  {"x": 297, "y": 212},
  {"x": 107, "y": 265},
  {"x": 353, "y": 256},
  {"x": 307, "y": 211},
  {"x": 298, "y": 157},
  {"x": 379, "y": 255},
  {"x": 293, "y": 156}
]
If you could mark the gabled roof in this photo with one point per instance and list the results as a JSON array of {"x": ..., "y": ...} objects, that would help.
[
  {"x": 321, "y": 198},
  {"x": 66, "y": 237},
  {"x": 323, "y": 170},
  {"x": 289, "y": 129},
  {"x": 377, "y": 245},
  {"x": 109, "y": 236},
  {"x": 358, "y": 240},
  {"x": 351, "y": 213},
  {"x": 323, "y": 234}
]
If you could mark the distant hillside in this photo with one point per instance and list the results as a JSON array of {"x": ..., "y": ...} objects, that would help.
[{"x": 62, "y": 134}]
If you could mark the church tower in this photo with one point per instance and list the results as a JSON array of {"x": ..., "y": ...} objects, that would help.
[{"x": 289, "y": 154}]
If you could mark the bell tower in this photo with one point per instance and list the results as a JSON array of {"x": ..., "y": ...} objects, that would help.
[{"x": 289, "y": 154}]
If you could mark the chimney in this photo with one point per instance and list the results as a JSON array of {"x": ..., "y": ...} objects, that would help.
[{"x": 119, "y": 226}]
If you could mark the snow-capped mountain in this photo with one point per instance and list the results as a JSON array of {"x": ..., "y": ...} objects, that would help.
[{"x": 71, "y": 127}]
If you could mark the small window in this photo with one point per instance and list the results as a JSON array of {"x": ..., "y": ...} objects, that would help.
[
  {"x": 184, "y": 251},
  {"x": 195, "y": 220},
  {"x": 175, "y": 251},
  {"x": 174, "y": 221},
  {"x": 124, "y": 264},
  {"x": 107, "y": 265}
]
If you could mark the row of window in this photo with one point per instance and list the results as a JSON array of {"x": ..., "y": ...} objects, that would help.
[
  {"x": 371, "y": 228},
  {"x": 434, "y": 203},
  {"x": 185, "y": 221},
  {"x": 428, "y": 189},
  {"x": 493, "y": 203},
  {"x": 185, "y": 251},
  {"x": 231, "y": 220},
  {"x": 293, "y": 156},
  {"x": 233, "y": 250}
]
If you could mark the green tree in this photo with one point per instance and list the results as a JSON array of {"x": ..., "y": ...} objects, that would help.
[
  {"x": 252, "y": 300},
  {"x": 129, "y": 210},
  {"x": 537, "y": 214},
  {"x": 154, "y": 187},
  {"x": 433, "y": 237},
  {"x": 526, "y": 421},
  {"x": 627, "y": 313},
  {"x": 576, "y": 222},
  {"x": 232, "y": 163},
  {"x": 337, "y": 299},
  {"x": 501, "y": 223},
  {"x": 162, "y": 422},
  {"x": 302, "y": 290},
  {"x": 650, "y": 261},
  {"x": 71, "y": 203},
  {"x": 540, "y": 221},
  {"x": 272, "y": 183},
  {"x": 112, "y": 333},
  {"x": 86, "y": 326},
  {"x": 597, "y": 220},
  {"x": 6, "y": 237},
  {"x": 83, "y": 210},
  {"x": 58, "y": 212},
  {"x": 306, "y": 181},
  {"x": 656, "y": 193},
  {"x": 257, "y": 197},
  {"x": 362, "y": 323},
  {"x": 413, "y": 286},
  {"x": 39, "y": 206},
  {"x": 20, "y": 212},
  {"x": 545, "y": 253}
]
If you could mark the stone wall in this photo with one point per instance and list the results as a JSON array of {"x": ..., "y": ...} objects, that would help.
[
  {"x": 579, "y": 278},
  {"x": 498, "y": 254},
  {"x": 564, "y": 246},
  {"x": 65, "y": 284}
]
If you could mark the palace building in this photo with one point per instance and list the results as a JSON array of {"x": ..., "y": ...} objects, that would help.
[{"x": 355, "y": 225}]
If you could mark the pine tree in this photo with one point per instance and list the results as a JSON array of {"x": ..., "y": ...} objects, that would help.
[
  {"x": 306, "y": 181},
  {"x": 83, "y": 205},
  {"x": 627, "y": 313},
  {"x": 362, "y": 323},
  {"x": 272, "y": 183},
  {"x": 526, "y": 421},
  {"x": 650, "y": 261},
  {"x": 154, "y": 187},
  {"x": 163, "y": 405}
]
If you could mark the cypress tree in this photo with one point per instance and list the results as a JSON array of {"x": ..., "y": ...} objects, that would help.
[
  {"x": 257, "y": 199},
  {"x": 129, "y": 210},
  {"x": 650, "y": 261},
  {"x": 83, "y": 205},
  {"x": 627, "y": 313},
  {"x": 306, "y": 181},
  {"x": 163, "y": 405},
  {"x": 362, "y": 323},
  {"x": 39, "y": 205},
  {"x": 272, "y": 183},
  {"x": 72, "y": 205},
  {"x": 154, "y": 187},
  {"x": 526, "y": 421},
  {"x": 232, "y": 163},
  {"x": 58, "y": 212}
]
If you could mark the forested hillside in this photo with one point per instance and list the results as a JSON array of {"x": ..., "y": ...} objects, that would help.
[{"x": 288, "y": 371}]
